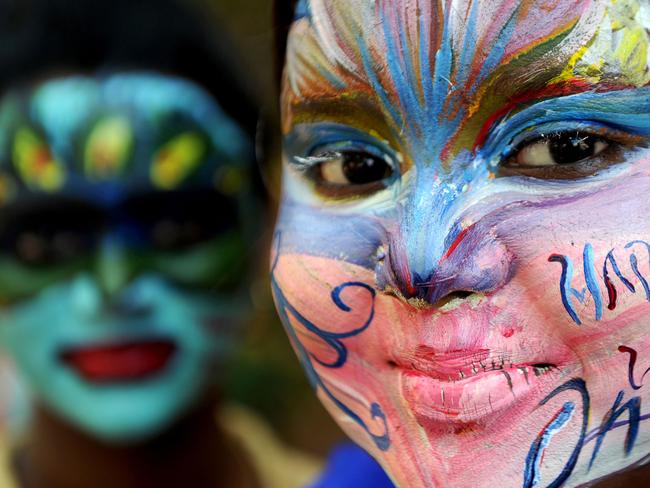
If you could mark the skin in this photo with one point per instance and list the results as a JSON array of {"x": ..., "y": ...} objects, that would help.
[
  {"x": 460, "y": 258},
  {"x": 104, "y": 166}
]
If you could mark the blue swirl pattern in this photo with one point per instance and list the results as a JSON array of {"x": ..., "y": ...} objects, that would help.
[{"x": 333, "y": 340}]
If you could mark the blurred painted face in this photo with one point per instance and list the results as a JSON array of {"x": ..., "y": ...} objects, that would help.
[
  {"x": 462, "y": 254},
  {"x": 120, "y": 246}
]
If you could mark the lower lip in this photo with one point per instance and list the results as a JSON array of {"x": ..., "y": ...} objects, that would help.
[
  {"x": 472, "y": 399},
  {"x": 120, "y": 362}
]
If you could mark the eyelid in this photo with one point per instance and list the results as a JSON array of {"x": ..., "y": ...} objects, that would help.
[
  {"x": 331, "y": 151},
  {"x": 626, "y": 110},
  {"x": 591, "y": 128},
  {"x": 306, "y": 139},
  {"x": 306, "y": 163}
]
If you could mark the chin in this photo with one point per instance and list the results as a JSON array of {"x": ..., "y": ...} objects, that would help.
[
  {"x": 127, "y": 418},
  {"x": 129, "y": 412},
  {"x": 125, "y": 428}
]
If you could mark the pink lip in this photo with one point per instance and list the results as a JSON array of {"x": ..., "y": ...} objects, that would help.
[{"x": 468, "y": 386}]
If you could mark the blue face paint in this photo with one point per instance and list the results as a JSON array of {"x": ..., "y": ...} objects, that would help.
[
  {"x": 303, "y": 9},
  {"x": 121, "y": 335}
]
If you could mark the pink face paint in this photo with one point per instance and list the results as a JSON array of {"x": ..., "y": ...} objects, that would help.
[{"x": 461, "y": 259}]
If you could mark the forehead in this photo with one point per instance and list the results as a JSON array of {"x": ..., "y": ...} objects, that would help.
[
  {"x": 130, "y": 129},
  {"x": 460, "y": 59}
]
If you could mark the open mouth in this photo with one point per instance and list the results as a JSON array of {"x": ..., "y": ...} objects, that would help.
[
  {"x": 467, "y": 386},
  {"x": 120, "y": 362}
]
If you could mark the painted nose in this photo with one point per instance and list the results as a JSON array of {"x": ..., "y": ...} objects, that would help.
[
  {"x": 113, "y": 269},
  {"x": 474, "y": 261},
  {"x": 117, "y": 278}
]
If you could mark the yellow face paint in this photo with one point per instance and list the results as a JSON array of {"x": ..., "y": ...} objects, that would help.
[
  {"x": 176, "y": 159},
  {"x": 230, "y": 180},
  {"x": 108, "y": 147},
  {"x": 619, "y": 51},
  {"x": 35, "y": 163},
  {"x": 7, "y": 189}
]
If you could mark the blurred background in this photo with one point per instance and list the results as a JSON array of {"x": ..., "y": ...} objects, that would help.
[
  {"x": 114, "y": 116},
  {"x": 267, "y": 375}
]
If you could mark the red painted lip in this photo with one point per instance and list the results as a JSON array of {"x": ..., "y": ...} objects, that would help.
[
  {"x": 120, "y": 362},
  {"x": 466, "y": 386}
]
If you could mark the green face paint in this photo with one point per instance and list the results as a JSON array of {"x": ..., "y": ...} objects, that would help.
[{"x": 124, "y": 208}]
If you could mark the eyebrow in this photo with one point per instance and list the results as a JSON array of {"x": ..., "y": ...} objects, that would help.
[
  {"x": 366, "y": 115},
  {"x": 525, "y": 98},
  {"x": 356, "y": 111}
]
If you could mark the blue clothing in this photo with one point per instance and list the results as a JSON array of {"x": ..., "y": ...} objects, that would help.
[{"x": 349, "y": 466}]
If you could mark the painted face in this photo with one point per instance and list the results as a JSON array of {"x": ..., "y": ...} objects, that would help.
[
  {"x": 462, "y": 254},
  {"x": 121, "y": 229}
]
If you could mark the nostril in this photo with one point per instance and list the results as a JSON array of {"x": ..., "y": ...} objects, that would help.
[{"x": 454, "y": 295}]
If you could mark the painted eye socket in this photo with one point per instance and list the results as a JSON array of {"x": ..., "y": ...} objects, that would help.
[
  {"x": 560, "y": 148},
  {"x": 349, "y": 173}
]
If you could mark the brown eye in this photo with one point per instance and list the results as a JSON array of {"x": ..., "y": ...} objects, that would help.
[
  {"x": 568, "y": 155},
  {"x": 559, "y": 149},
  {"x": 353, "y": 168}
]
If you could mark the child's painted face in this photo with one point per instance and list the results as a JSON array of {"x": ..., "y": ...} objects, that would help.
[
  {"x": 462, "y": 259},
  {"x": 121, "y": 234}
]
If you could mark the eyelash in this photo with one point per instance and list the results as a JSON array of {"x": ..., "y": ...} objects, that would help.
[
  {"x": 311, "y": 165},
  {"x": 306, "y": 164},
  {"x": 609, "y": 135},
  {"x": 321, "y": 154},
  {"x": 616, "y": 142}
]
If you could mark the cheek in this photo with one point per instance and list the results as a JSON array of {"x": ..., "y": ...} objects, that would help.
[
  {"x": 34, "y": 323},
  {"x": 331, "y": 314},
  {"x": 203, "y": 325},
  {"x": 590, "y": 253},
  {"x": 330, "y": 300},
  {"x": 582, "y": 268}
]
